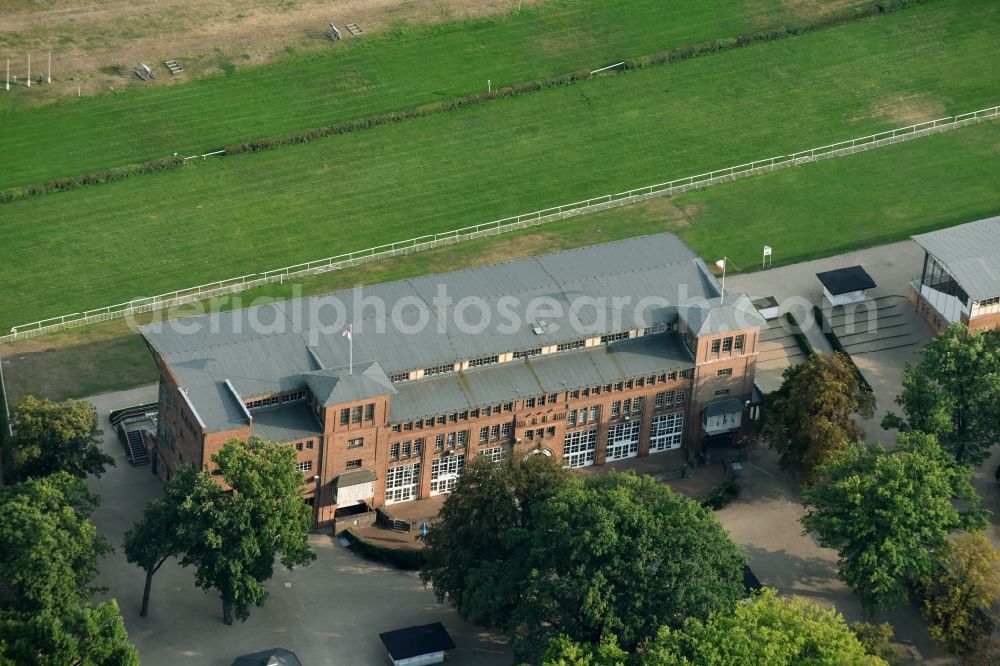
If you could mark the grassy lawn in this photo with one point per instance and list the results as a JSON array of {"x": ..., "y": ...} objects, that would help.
[
  {"x": 361, "y": 77},
  {"x": 216, "y": 219},
  {"x": 816, "y": 210}
]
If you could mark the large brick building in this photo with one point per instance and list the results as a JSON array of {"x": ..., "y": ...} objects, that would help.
[
  {"x": 960, "y": 279},
  {"x": 603, "y": 353}
]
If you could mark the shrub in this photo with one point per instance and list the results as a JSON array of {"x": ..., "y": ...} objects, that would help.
[
  {"x": 404, "y": 558},
  {"x": 800, "y": 338}
]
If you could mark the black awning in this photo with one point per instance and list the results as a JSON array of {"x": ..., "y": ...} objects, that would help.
[
  {"x": 272, "y": 657},
  {"x": 845, "y": 280},
  {"x": 415, "y": 641},
  {"x": 719, "y": 441}
]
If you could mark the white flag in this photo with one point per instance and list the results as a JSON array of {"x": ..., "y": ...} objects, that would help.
[
  {"x": 721, "y": 263},
  {"x": 347, "y": 333}
]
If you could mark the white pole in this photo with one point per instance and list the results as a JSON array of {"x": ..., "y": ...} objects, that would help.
[
  {"x": 50, "y": 66},
  {"x": 29, "y": 70},
  {"x": 725, "y": 265},
  {"x": 3, "y": 391},
  {"x": 8, "y": 74},
  {"x": 489, "y": 86},
  {"x": 350, "y": 357}
]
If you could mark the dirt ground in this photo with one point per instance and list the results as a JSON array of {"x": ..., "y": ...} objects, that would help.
[{"x": 96, "y": 45}]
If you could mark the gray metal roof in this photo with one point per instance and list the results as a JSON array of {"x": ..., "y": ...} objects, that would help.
[
  {"x": 286, "y": 423},
  {"x": 540, "y": 375},
  {"x": 971, "y": 253},
  {"x": 333, "y": 386},
  {"x": 735, "y": 312},
  {"x": 269, "y": 348}
]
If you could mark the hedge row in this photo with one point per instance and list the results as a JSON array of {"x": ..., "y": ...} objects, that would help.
[
  {"x": 832, "y": 19},
  {"x": 95, "y": 178},
  {"x": 267, "y": 143},
  {"x": 404, "y": 558},
  {"x": 838, "y": 347},
  {"x": 800, "y": 337}
]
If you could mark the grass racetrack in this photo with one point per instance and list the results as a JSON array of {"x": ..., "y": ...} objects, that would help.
[
  {"x": 363, "y": 77},
  {"x": 815, "y": 210},
  {"x": 87, "y": 248}
]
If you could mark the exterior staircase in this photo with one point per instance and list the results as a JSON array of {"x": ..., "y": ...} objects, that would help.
[
  {"x": 891, "y": 323},
  {"x": 136, "y": 450}
]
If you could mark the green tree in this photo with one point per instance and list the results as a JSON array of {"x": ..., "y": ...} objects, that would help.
[
  {"x": 961, "y": 600},
  {"x": 470, "y": 552},
  {"x": 886, "y": 512},
  {"x": 48, "y": 557},
  {"x": 564, "y": 652},
  {"x": 242, "y": 531},
  {"x": 953, "y": 393},
  {"x": 51, "y": 437},
  {"x": 619, "y": 554},
  {"x": 768, "y": 631},
  {"x": 808, "y": 420},
  {"x": 877, "y": 640},
  {"x": 162, "y": 533}
]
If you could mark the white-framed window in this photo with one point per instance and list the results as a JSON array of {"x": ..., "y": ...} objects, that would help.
[
  {"x": 579, "y": 448},
  {"x": 497, "y": 453},
  {"x": 445, "y": 472},
  {"x": 505, "y": 431},
  {"x": 304, "y": 466},
  {"x": 623, "y": 440},
  {"x": 666, "y": 432},
  {"x": 401, "y": 483},
  {"x": 571, "y": 418}
]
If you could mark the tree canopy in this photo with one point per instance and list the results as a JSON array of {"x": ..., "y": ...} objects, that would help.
[
  {"x": 48, "y": 557},
  {"x": 961, "y": 600},
  {"x": 242, "y": 531},
  {"x": 619, "y": 554},
  {"x": 953, "y": 393},
  {"x": 526, "y": 547},
  {"x": 768, "y": 631},
  {"x": 53, "y": 437},
  {"x": 808, "y": 419},
  {"x": 163, "y": 531},
  {"x": 886, "y": 512},
  {"x": 470, "y": 553}
]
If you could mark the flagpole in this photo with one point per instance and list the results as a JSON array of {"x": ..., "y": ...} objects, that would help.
[
  {"x": 350, "y": 358},
  {"x": 725, "y": 265}
]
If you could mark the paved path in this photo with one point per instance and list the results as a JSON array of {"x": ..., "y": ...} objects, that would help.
[
  {"x": 765, "y": 521},
  {"x": 328, "y": 613}
]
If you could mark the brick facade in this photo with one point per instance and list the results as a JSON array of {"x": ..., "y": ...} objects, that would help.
[{"x": 360, "y": 435}]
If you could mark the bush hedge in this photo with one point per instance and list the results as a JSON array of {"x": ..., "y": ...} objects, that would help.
[
  {"x": 800, "y": 338},
  {"x": 404, "y": 558},
  {"x": 95, "y": 178},
  {"x": 726, "y": 491},
  {"x": 838, "y": 347}
]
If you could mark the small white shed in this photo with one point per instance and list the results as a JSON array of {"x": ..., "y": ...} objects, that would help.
[
  {"x": 846, "y": 285},
  {"x": 415, "y": 646}
]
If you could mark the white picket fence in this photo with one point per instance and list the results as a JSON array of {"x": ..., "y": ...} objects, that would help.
[{"x": 676, "y": 186}]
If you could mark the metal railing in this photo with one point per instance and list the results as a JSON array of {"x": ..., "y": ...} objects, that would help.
[{"x": 504, "y": 225}]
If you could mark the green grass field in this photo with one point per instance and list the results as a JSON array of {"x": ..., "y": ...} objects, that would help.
[
  {"x": 216, "y": 219},
  {"x": 816, "y": 210},
  {"x": 362, "y": 77}
]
